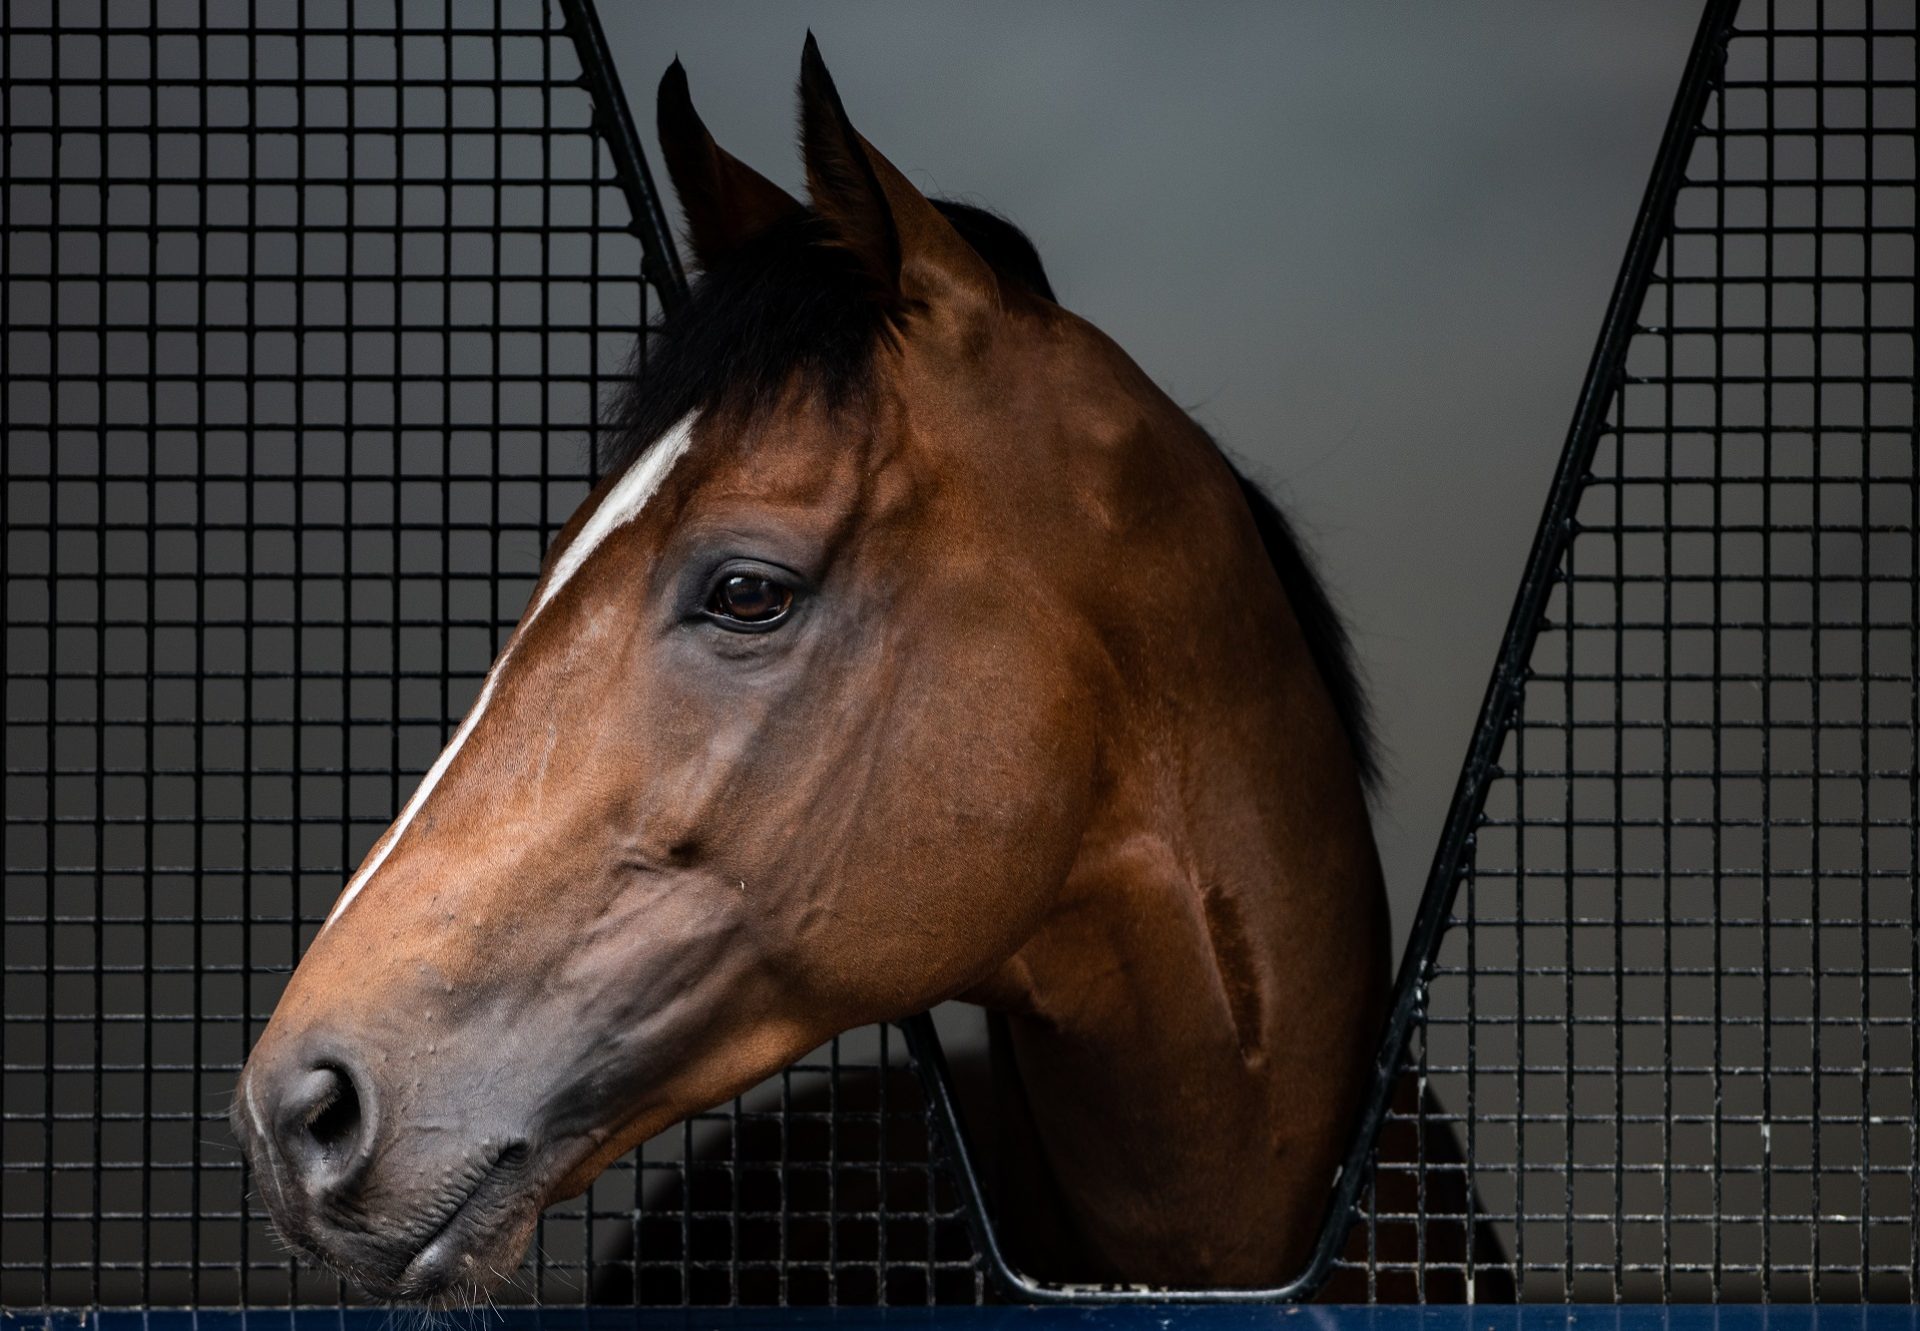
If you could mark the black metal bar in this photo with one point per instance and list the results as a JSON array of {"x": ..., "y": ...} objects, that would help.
[
  {"x": 1702, "y": 71},
  {"x": 614, "y": 119}
]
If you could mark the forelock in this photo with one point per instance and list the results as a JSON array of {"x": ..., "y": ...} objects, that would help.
[{"x": 791, "y": 308}]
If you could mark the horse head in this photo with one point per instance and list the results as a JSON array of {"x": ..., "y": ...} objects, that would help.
[{"x": 840, "y": 696}]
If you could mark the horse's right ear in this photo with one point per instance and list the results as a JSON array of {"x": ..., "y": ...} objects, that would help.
[{"x": 726, "y": 202}]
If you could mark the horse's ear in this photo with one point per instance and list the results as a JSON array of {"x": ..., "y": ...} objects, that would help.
[
  {"x": 726, "y": 202},
  {"x": 910, "y": 250}
]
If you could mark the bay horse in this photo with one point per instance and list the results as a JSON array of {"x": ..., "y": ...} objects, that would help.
[{"x": 915, "y": 647}]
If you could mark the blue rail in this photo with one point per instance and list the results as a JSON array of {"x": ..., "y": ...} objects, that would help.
[{"x": 1130, "y": 1317}]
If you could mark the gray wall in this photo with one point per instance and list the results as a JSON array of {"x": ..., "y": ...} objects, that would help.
[{"x": 1368, "y": 245}]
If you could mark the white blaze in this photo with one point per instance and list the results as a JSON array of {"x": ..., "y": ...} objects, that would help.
[{"x": 621, "y": 506}]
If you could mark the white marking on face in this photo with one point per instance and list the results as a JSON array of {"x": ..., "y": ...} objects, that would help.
[{"x": 621, "y": 506}]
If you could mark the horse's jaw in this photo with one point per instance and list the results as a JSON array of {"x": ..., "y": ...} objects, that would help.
[{"x": 1188, "y": 1034}]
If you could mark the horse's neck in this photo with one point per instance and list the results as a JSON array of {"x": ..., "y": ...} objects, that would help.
[{"x": 1185, "y": 1034}]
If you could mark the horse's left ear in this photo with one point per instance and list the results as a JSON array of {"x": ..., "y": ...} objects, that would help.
[{"x": 912, "y": 253}]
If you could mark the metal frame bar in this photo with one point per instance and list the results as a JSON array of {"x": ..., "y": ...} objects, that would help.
[
  {"x": 613, "y": 118},
  {"x": 1704, "y": 69}
]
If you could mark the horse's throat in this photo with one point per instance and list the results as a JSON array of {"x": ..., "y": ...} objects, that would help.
[{"x": 1181, "y": 1047}]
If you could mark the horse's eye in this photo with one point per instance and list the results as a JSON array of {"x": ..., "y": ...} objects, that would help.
[{"x": 750, "y": 598}]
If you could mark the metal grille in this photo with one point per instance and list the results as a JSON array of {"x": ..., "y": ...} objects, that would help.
[
  {"x": 1674, "y": 1011},
  {"x": 307, "y": 308}
]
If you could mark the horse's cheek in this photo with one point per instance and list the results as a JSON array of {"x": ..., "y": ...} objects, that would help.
[{"x": 999, "y": 825}]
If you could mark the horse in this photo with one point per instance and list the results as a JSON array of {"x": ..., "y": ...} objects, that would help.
[{"x": 915, "y": 646}]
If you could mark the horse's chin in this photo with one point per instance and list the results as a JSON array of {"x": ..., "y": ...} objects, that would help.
[
  {"x": 455, "y": 1254},
  {"x": 467, "y": 1260},
  {"x": 470, "y": 1260}
]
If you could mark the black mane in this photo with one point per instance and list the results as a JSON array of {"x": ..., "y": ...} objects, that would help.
[{"x": 791, "y": 303}]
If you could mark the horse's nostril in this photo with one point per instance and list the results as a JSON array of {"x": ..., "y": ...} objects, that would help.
[
  {"x": 322, "y": 1123},
  {"x": 334, "y": 1123}
]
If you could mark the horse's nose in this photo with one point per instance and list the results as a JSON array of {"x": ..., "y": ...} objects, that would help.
[{"x": 318, "y": 1119}]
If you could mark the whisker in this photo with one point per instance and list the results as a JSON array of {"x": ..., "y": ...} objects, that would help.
[{"x": 557, "y": 1271}]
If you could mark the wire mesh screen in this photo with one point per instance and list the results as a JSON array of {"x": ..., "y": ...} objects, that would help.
[
  {"x": 307, "y": 307},
  {"x": 1674, "y": 1017}
]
